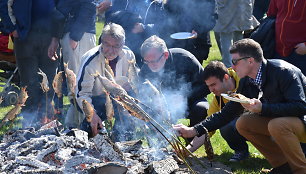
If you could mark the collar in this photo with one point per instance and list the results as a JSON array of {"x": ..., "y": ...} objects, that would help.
[{"x": 258, "y": 80}]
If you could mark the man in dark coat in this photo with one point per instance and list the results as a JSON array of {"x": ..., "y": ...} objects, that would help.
[
  {"x": 177, "y": 73},
  {"x": 275, "y": 123}
]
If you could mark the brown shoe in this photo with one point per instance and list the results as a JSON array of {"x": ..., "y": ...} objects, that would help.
[{"x": 283, "y": 169}]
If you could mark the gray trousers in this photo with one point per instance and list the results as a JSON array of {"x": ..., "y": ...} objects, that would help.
[
  {"x": 224, "y": 41},
  {"x": 73, "y": 58}
]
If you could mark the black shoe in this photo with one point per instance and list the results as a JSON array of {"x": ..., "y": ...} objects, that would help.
[
  {"x": 283, "y": 169},
  {"x": 239, "y": 156}
]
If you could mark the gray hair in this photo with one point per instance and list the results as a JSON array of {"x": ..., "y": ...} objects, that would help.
[
  {"x": 115, "y": 31},
  {"x": 153, "y": 42}
]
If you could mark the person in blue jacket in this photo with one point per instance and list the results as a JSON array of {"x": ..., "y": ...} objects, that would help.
[{"x": 29, "y": 21}]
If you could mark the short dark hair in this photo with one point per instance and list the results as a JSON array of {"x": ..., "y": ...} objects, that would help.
[
  {"x": 215, "y": 69},
  {"x": 248, "y": 48}
]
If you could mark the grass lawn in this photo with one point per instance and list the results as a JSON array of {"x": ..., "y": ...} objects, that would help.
[{"x": 250, "y": 166}]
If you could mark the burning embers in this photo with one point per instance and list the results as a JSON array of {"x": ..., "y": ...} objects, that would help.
[{"x": 48, "y": 150}]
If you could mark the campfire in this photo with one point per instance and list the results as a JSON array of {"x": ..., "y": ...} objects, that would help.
[{"x": 54, "y": 150}]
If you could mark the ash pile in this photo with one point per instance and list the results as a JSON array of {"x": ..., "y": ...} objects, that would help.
[{"x": 50, "y": 150}]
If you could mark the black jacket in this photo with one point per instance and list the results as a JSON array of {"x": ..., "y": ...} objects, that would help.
[
  {"x": 181, "y": 70},
  {"x": 74, "y": 16},
  {"x": 265, "y": 36},
  {"x": 283, "y": 87}
]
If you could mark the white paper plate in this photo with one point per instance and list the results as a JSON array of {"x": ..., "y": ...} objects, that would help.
[
  {"x": 235, "y": 99},
  {"x": 182, "y": 35}
]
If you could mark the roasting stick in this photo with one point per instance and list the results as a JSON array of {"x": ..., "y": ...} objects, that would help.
[
  {"x": 182, "y": 152},
  {"x": 129, "y": 103},
  {"x": 185, "y": 149},
  {"x": 174, "y": 147},
  {"x": 151, "y": 120}
]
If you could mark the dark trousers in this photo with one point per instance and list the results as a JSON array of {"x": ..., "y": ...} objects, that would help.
[
  {"x": 123, "y": 127},
  {"x": 296, "y": 60},
  {"x": 198, "y": 112},
  {"x": 233, "y": 138},
  {"x": 32, "y": 54}
]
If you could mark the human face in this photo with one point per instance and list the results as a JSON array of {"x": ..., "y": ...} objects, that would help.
[
  {"x": 241, "y": 65},
  {"x": 155, "y": 59},
  {"x": 216, "y": 86},
  {"x": 111, "y": 47}
]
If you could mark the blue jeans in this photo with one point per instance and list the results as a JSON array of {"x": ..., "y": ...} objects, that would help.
[
  {"x": 233, "y": 138},
  {"x": 224, "y": 41}
]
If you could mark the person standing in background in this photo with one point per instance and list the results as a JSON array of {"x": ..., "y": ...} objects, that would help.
[
  {"x": 29, "y": 21},
  {"x": 198, "y": 17},
  {"x": 290, "y": 32}
]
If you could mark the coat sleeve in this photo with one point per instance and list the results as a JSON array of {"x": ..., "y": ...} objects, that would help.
[
  {"x": 7, "y": 16},
  {"x": 85, "y": 17},
  {"x": 228, "y": 113},
  {"x": 292, "y": 89}
]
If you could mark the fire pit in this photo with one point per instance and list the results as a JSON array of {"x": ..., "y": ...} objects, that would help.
[{"x": 49, "y": 150}]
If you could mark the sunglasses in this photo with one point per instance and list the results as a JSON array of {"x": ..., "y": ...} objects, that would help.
[
  {"x": 235, "y": 61},
  {"x": 153, "y": 61}
]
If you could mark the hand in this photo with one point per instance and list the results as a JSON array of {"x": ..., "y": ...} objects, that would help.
[
  {"x": 196, "y": 143},
  {"x": 103, "y": 6},
  {"x": 195, "y": 34},
  {"x": 184, "y": 131},
  {"x": 15, "y": 34},
  {"x": 73, "y": 44},
  {"x": 300, "y": 48},
  {"x": 138, "y": 28},
  {"x": 53, "y": 48},
  {"x": 255, "y": 106},
  {"x": 96, "y": 123}
]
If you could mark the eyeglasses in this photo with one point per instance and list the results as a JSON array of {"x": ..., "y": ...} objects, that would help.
[
  {"x": 235, "y": 61},
  {"x": 153, "y": 61},
  {"x": 107, "y": 45}
]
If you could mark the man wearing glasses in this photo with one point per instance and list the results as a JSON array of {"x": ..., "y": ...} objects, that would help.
[
  {"x": 112, "y": 49},
  {"x": 177, "y": 73},
  {"x": 276, "y": 122}
]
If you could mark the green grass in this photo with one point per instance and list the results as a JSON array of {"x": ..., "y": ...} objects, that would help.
[{"x": 250, "y": 166}]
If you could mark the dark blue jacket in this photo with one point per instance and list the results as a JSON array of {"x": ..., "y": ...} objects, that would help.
[
  {"x": 74, "y": 16},
  {"x": 21, "y": 20}
]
